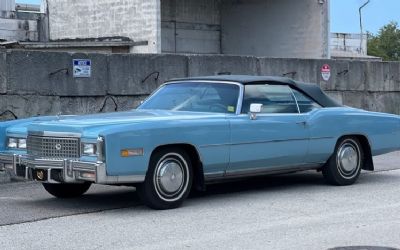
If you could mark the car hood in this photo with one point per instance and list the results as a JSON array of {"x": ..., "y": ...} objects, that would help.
[
  {"x": 19, "y": 127},
  {"x": 92, "y": 125}
]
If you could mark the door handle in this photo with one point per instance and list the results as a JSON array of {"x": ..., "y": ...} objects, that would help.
[{"x": 304, "y": 123}]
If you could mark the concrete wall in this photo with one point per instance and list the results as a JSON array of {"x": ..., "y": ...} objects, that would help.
[
  {"x": 7, "y": 5},
  {"x": 190, "y": 26},
  {"x": 17, "y": 26},
  {"x": 33, "y": 83},
  {"x": 348, "y": 42},
  {"x": 136, "y": 19},
  {"x": 344, "y": 45},
  {"x": 18, "y": 30},
  {"x": 276, "y": 28}
]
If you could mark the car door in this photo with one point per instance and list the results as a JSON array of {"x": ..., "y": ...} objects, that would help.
[{"x": 276, "y": 139}]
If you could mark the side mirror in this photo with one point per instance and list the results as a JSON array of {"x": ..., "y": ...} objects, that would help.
[{"x": 255, "y": 108}]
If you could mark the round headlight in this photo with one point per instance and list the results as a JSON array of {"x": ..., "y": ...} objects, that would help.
[{"x": 12, "y": 143}]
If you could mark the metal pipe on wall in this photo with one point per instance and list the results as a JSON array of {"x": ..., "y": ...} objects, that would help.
[{"x": 361, "y": 25}]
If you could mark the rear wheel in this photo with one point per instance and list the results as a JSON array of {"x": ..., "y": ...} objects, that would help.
[
  {"x": 64, "y": 190},
  {"x": 168, "y": 180},
  {"x": 344, "y": 166}
]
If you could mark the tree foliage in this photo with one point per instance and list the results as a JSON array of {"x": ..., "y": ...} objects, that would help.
[{"x": 386, "y": 43}]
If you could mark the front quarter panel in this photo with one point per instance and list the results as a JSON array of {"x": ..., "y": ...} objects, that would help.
[
  {"x": 148, "y": 136},
  {"x": 15, "y": 127}
]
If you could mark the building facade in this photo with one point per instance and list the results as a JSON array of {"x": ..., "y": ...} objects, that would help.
[
  {"x": 350, "y": 46},
  {"x": 272, "y": 28},
  {"x": 266, "y": 28},
  {"x": 18, "y": 24}
]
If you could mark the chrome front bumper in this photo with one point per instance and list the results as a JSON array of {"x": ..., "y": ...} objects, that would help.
[{"x": 61, "y": 171}]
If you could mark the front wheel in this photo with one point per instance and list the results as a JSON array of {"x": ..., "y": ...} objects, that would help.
[
  {"x": 64, "y": 190},
  {"x": 344, "y": 166},
  {"x": 168, "y": 179}
]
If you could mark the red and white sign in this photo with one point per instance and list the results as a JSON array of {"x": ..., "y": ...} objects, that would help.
[{"x": 326, "y": 72}]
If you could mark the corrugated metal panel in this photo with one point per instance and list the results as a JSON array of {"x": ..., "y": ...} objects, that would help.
[{"x": 7, "y": 5}]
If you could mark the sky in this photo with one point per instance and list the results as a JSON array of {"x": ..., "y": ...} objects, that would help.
[
  {"x": 345, "y": 17},
  {"x": 344, "y": 14}
]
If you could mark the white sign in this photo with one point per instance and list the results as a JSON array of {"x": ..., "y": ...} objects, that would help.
[
  {"x": 326, "y": 72},
  {"x": 82, "y": 67}
]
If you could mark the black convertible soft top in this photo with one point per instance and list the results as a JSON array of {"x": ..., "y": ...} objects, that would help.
[{"x": 311, "y": 90}]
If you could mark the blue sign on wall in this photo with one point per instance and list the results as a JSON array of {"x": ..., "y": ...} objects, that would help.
[{"x": 82, "y": 67}]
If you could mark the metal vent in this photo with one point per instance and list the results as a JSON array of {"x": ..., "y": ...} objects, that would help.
[{"x": 53, "y": 147}]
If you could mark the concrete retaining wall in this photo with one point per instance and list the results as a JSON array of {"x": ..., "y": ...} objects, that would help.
[{"x": 42, "y": 83}]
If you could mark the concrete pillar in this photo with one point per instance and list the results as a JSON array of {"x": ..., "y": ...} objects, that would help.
[{"x": 276, "y": 28}]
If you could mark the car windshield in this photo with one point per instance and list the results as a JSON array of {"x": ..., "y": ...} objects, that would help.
[{"x": 195, "y": 97}]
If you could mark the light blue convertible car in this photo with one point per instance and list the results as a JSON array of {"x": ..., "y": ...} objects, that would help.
[{"x": 195, "y": 131}]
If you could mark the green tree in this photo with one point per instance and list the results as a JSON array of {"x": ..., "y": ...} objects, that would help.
[{"x": 386, "y": 43}]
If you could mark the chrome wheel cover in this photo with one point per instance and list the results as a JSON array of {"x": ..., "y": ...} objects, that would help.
[
  {"x": 348, "y": 159},
  {"x": 171, "y": 177}
]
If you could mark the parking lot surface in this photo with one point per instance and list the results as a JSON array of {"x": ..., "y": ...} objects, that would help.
[{"x": 297, "y": 211}]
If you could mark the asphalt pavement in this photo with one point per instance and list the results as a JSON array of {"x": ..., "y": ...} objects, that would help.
[{"x": 297, "y": 211}]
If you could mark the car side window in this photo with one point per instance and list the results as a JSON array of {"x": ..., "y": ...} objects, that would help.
[
  {"x": 305, "y": 103},
  {"x": 274, "y": 98}
]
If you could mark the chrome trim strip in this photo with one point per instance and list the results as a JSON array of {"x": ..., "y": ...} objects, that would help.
[
  {"x": 240, "y": 96},
  {"x": 295, "y": 99},
  {"x": 234, "y": 174},
  {"x": 15, "y": 135},
  {"x": 267, "y": 141},
  {"x": 274, "y": 114},
  {"x": 89, "y": 140},
  {"x": 6, "y": 158},
  {"x": 269, "y": 169},
  {"x": 322, "y": 137},
  {"x": 213, "y": 175},
  {"x": 101, "y": 149},
  {"x": 206, "y": 81},
  {"x": 42, "y": 163},
  {"x": 55, "y": 134},
  {"x": 247, "y": 143}
]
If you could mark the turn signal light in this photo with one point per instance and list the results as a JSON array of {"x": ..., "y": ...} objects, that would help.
[
  {"x": 132, "y": 152},
  {"x": 86, "y": 175}
]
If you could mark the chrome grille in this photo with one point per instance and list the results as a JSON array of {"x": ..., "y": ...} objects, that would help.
[{"x": 53, "y": 147}]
